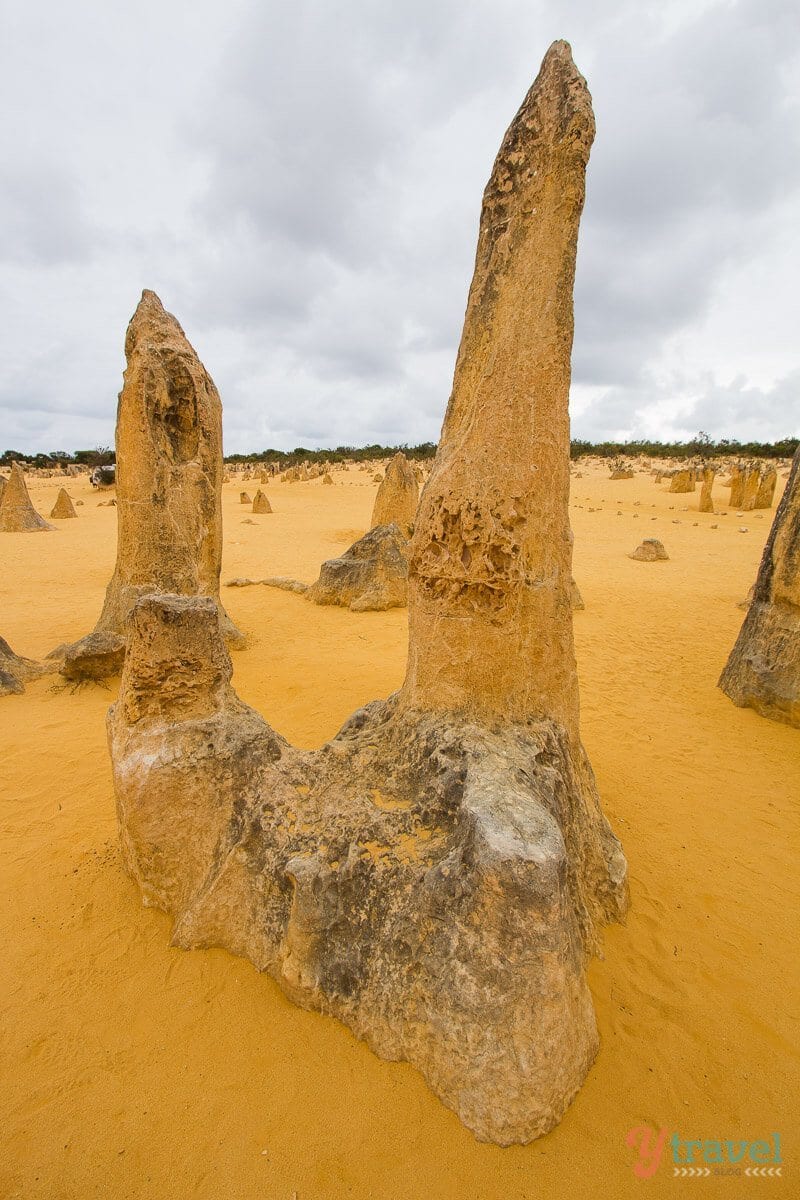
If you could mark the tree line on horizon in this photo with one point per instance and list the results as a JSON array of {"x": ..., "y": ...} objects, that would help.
[{"x": 700, "y": 446}]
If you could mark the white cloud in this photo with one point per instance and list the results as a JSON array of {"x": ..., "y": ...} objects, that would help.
[{"x": 301, "y": 184}]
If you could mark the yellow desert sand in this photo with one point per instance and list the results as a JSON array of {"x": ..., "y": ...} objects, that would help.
[{"x": 132, "y": 1069}]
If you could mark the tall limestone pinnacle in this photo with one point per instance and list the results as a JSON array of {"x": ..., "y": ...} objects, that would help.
[
  {"x": 437, "y": 874},
  {"x": 169, "y": 468},
  {"x": 490, "y": 563},
  {"x": 169, "y": 484}
]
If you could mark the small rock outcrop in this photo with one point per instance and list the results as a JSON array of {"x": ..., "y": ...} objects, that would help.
[
  {"x": 282, "y": 582},
  {"x": 369, "y": 577},
  {"x": 436, "y": 876},
  {"x": 763, "y": 671},
  {"x": 650, "y": 550},
  {"x": 16, "y": 671},
  {"x": 260, "y": 503},
  {"x": 63, "y": 508},
  {"x": 17, "y": 514},
  {"x": 682, "y": 481},
  {"x": 169, "y": 482},
  {"x": 244, "y": 498},
  {"x": 398, "y": 496},
  {"x": 98, "y": 656}
]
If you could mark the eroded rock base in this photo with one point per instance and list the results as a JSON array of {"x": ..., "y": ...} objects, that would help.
[{"x": 434, "y": 883}]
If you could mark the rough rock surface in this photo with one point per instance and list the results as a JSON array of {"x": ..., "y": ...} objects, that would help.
[
  {"x": 244, "y": 498},
  {"x": 576, "y": 599},
  {"x": 98, "y": 656},
  {"x": 752, "y": 481},
  {"x": 372, "y": 575},
  {"x": 706, "y": 503},
  {"x": 763, "y": 671},
  {"x": 682, "y": 481},
  {"x": 169, "y": 476},
  {"x": 63, "y": 508},
  {"x": 398, "y": 496},
  {"x": 435, "y": 876},
  {"x": 650, "y": 550},
  {"x": 260, "y": 503},
  {"x": 17, "y": 514},
  {"x": 16, "y": 671},
  {"x": 766, "y": 488}
]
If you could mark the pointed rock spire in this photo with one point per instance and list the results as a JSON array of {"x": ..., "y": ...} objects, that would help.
[
  {"x": 490, "y": 566},
  {"x": 63, "y": 508},
  {"x": 168, "y": 479},
  {"x": 398, "y": 496},
  {"x": 17, "y": 514}
]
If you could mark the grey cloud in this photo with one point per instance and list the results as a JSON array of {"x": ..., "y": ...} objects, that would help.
[
  {"x": 737, "y": 410},
  {"x": 751, "y": 412},
  {"x": 699, "y": 145},
  {"x": 42, "y": 221},
  {"x": 301, "y": 184}
]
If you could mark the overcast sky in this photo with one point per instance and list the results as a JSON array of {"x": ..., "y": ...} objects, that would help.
[{"x": 301, "y": 183}]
